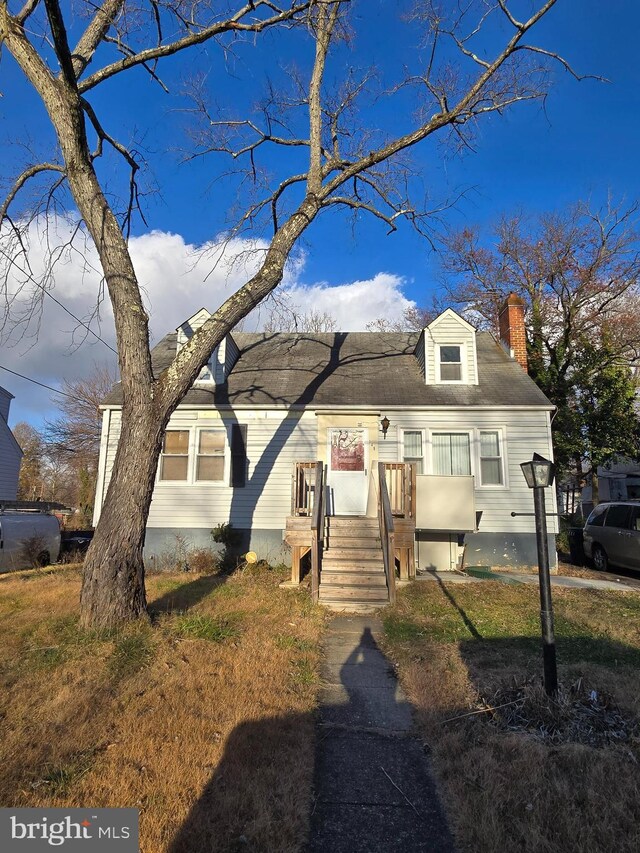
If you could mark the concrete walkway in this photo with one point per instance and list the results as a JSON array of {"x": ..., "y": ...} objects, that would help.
[
  {"x": 374, "y": 790},
  {"x": 617, "y": 584}
]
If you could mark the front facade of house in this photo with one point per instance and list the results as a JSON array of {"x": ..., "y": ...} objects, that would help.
[
  {"x": 460, "y": 415},
  {"x": 10, "y": 452}
]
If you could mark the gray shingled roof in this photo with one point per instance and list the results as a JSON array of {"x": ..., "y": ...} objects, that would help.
[{"x": 350, "y": 369}]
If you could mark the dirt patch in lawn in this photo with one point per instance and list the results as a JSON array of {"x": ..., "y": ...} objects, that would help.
[{"x": 203, "y": 720}]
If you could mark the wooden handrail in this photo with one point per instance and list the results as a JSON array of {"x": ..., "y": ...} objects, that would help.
[
  {"x": 401, "y": 485},
  {"x": 302, "y": 495},
  {"x": 317, "y": 532},
  {"x": 387, "y": 533}
]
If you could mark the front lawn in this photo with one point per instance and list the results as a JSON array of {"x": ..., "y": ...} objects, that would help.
[
  {"x": 516, "y": 772},
  {"x": 202, "y": 720}
]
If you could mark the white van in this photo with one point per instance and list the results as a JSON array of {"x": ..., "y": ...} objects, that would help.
[{"x": 27, "y": 537}]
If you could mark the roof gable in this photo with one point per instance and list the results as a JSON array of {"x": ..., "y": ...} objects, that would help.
[{"x": 450, "y": 314}]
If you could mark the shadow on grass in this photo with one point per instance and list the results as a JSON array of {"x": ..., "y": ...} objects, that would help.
[
  {"x": 372, "y": 785},
  {"x": 526, "y": 653},
  {"x": 187, "y": 595},
  {"x": 463, "y": 615}
]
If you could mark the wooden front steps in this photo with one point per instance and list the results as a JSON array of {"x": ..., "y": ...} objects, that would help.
[{"x": 352, "y": 576}]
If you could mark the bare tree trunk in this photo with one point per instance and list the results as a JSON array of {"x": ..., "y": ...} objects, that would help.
[
  {"x": 113, "y": 586},
  {"x": 595, "y": 487}
]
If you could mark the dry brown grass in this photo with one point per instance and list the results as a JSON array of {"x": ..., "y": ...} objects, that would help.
[
  {"x": 512, "y": 790},
  {"x": 203, "y": 721}
]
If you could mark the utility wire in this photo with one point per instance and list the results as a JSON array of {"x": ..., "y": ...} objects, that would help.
[
  {"x": 41, "y": 384},
  {"x": 57, "y": 301}
]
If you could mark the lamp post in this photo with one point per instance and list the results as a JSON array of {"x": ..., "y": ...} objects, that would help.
[{"x": 539, "y": 474}]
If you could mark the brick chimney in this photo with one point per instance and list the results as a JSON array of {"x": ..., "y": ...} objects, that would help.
[{"x": 512, "y": 333}]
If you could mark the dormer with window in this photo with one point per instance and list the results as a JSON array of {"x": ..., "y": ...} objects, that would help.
[
  {"x": 447, "y": 351},
  {"x": 223, "y": 357}
]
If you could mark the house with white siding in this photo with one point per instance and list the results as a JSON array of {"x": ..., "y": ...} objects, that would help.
[
  {"x": 10, "y": 452},
  {"x": 379, "y": 454}
]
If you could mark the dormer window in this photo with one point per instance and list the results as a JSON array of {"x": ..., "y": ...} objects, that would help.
[{"x": 450, "y": 362}]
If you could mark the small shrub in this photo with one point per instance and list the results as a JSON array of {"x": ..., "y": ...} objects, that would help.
[
  {"x": 225, "y": 534},
  {"x": 203, "y": 561},
  {"x": 214, "y": 629}
]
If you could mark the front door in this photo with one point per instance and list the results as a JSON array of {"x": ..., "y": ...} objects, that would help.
[{"x": 347, "y": 466}]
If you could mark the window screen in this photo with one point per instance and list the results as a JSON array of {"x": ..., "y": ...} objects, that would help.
[
  {"x": 413, "y": 449},
  {"x": 210, "y": 455},
  {"x": 490, "y": 459},
  {"x": 451, "y": 453},
  {"x": 174, "y": 463},
  {"x": 450, "y": 364}
]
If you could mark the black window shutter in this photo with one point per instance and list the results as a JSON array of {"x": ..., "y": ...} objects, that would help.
[{"x": 238, "y": 455}]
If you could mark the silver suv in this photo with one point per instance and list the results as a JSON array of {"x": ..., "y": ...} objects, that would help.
[{"x": 612, "y": 535}]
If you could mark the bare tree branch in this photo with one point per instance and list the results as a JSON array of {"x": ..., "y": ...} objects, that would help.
[
  {"x": 232, "y": 25},
  {"x": 22, "y": 179}
]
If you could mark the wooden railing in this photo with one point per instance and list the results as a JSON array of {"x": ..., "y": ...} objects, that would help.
[
  {"x": 387, "y": 533},
  {"x": 400, "y": 479},
  {"x": 317, "y": 532},
  {"x": 303, "y": 488}
]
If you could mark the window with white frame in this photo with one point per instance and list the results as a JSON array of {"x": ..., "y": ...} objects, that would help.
[
  {"x": 491, "y": 467},
  {"x": 174, "y": 461},
  {"x": 210, "y": 454},
  {"x": 450, "y": 362},
  {"x": 413, "y": 449},
  {"x": 451, "y": 453}
]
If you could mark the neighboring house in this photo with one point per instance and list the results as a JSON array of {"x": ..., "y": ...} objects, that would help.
[
  {"x": 617, "y": 481},
  {"x": 461, "y": 415},
  {"x": 10, "y": 452}
]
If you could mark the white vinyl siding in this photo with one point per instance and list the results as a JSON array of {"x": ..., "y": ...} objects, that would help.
[
  {"x": 449, "y": 330},
  {"x": 275, "y": 440},
  {"x": 523, "y": 433}
]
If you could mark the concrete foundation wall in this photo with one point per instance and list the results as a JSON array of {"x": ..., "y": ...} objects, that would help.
[
  {"x": 164, "y": 545},
  {"x": 506, "y": 549},
  {"x": 433, "y": 551}
]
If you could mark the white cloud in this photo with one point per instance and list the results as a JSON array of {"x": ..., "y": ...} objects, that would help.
[{"x": 177, "y": 279}]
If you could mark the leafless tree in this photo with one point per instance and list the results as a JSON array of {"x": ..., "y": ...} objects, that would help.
[
  {"x": 477, "y": 59},
  {"x": 75, "y": 433},
  {"x": 285, "y": 315},
  {"x": 578, "y": 273}
]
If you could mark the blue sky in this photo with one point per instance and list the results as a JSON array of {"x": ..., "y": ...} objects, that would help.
[{"x": 581, "y": 144}]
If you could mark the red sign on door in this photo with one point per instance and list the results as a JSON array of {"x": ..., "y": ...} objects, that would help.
[{"x": 347, "y": 450}]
